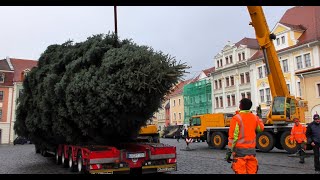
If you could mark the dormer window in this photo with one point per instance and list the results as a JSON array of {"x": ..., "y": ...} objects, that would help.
[
  {"x": 283, "y": 40},
  {"x": 278, "y": 41},
  {"x": 2, "y": 78},
  {"x": 24, "y": 74}
]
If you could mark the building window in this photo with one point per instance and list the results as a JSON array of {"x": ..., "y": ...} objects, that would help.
[
  {"x": 221, "y": 101},
  {"x": 174, "y": 102},
  {"x": 227, "y": 60},
  {"x": 243, "y": 56},
  {"x": 243, "y": 95},
  {"x": 248, "y": 95},
  {"x": 285, "y": 66},
  {"x": 228, "y": 100},
  {"x": 209, "y": 97},
  {"x": 220, "y": 83},
  {"x": 278, "y": 41},
  {"x": 227, "y": 81},
  {"x": 174, "y": 116},
  {"x": 242, "y": 78},
  {"x": 318, "y": 86},
  {"x": 239, "y": 56},
  {"x": 232, "y": 80},
  {"x": 230, "y": 57},
  {"x": 216, "y": 84},
  {"x": 307, "y": 60},
  {"x": 288, "y": 86},
  {"x": 299, "y": 62},
  {"x": 265, "y": 70},
  {"x": 283, "y": 39},
  {"x": 248, "y": 77},
  {"x": 2, "y": 78},
  {"x": 217, "y": 102},
  {"x": 221, "y": 63},
  {"x": 268, "y": 94},
  {"x": 260, "y": 72},
  {"x": 179, "y": 102},
  {"x": 20, "y": 92},
  {"x": 179, "y": 115},
  {"x": 233, "y": 97},
  {"x": 261, "y": 95},
  {"x": 299, "y": 89},
  {"x": 1, "y": 95},
  {"x": 218, "y": 63},
  {"x": 0, "y": 114}
]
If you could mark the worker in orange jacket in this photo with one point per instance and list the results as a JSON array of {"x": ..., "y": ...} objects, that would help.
[
  {"x": 298, "y": 135},
  {"x": 242, "y": 139}
]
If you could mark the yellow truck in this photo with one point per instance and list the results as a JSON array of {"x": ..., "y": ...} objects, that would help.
[
  {"x": 149, "y": 133},
  {"x": 199, "y": 124}
]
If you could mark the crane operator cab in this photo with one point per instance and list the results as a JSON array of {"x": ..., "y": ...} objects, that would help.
[{"x": 285, "y": 109}]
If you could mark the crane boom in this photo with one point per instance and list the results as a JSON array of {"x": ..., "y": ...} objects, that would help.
[
  {"x": 284, "y": 107},
  {"x": 276, "y": 79}
]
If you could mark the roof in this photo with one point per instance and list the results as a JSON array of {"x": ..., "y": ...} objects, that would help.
[
  {"x": 307, "y": 17},
  {"x": 295, "y": 27},
  {"x": 308, "y": 70},
  {"x": 178, "y": 89},
  {"x": 20, "y": 65},
  {"x": 208, "y": 71},
  {"x": 249, "y": 42},
  {"x": 300, "y": 18},
  {"x": 4, "y": 65}
]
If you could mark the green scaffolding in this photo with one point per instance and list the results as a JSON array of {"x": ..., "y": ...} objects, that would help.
[{"x": 197, "y": 99}]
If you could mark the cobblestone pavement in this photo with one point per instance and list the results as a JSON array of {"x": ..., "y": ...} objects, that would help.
[
  {"x": 22, "y": 159},
  {"x": 204, "y": 160}
]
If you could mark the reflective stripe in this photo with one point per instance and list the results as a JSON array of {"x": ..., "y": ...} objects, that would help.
[
  {"x": 241, "y": 140},
  {"x": 240, "y": 152}
]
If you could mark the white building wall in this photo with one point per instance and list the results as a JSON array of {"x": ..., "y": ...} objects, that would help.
[{"x": 4, "y": 132}]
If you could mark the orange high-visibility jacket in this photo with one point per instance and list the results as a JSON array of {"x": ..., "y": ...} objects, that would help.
[
  {"x": 242, "y": 133},
  {"x": 298, "y": 133}
]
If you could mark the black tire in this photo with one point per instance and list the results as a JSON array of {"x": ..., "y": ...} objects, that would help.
[
  {"x": 278, "y": 142},
  {"x": 71, "y": 164},
  {"x": 265, "y": 141},
  {"x": 64, "y": 161},
  {"x": 80, "y": 167},
  {"x": 285, "y": 142},
  {"x": 57, "y": 158},
  {"x": 218, "y": 140},
  {"x": 44, "y": 153}
]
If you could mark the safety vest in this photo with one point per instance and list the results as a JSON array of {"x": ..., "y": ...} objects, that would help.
[
  {"x": 242, "y": 133},
  {"x": 298, "y": 133}
]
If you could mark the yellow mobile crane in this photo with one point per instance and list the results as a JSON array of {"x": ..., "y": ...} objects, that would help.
[{"x": 283, "y": 109}]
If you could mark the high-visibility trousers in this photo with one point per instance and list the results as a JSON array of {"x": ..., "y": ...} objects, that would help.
[{"x": 245, "y": 165}]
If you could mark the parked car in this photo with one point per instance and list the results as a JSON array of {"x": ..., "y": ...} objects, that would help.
[{"x": 21, "y": 140}]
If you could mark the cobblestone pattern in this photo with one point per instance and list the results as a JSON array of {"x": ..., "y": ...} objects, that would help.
[{"x": 22, "y": 159}]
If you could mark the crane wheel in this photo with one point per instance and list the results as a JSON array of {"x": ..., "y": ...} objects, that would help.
[
  {"x": 265, "y": 141},
  {"x": 218, "y": 140},
  {"x": 285, "y": 142}
]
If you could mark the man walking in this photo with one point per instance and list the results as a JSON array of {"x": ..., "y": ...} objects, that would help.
[
  {"x": 313, "y": 135},
  {"x": 242, "y": 139},
  {"x": 298, "y": 134}
]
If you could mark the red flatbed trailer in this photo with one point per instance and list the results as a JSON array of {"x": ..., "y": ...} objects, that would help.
[{"x": 127, "y": 158}]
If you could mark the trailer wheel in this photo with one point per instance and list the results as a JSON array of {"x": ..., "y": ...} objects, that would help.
[
  {"x": 265, "y": 141},
  {"x": 72, "y": 167},
  {"x": 58, "y": 158},
  {"x": 219, "y": 140},
  {"x": 64, "y": 161},
  {"x": 285, "y": 142},
  {"x": 81, "y": 168}
]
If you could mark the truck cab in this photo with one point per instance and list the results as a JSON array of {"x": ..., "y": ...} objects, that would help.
[{"x": 200, "y": 123}]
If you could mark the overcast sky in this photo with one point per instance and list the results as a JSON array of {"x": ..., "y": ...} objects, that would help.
[{"x": 193, "y": 35}]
